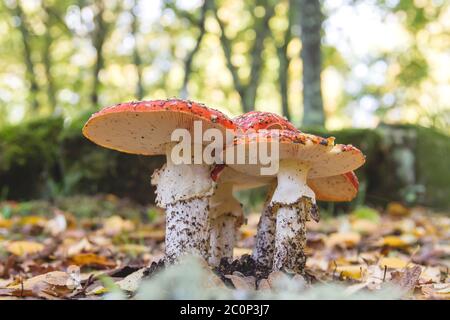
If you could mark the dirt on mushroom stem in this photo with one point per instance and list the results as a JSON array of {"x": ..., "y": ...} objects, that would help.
[
  {"x": 265, "y": 237},
  {"x": 222, "y": 238},
  {"x": 184, "y": 191},
  {"x": 293, "y": 203},
  {"x": 225, "y": 215}
]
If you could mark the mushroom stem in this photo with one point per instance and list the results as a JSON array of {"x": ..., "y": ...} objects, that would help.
[
  {"x": 294, "y": 204},
  {"x": 184, "y": 191},
  {"x": 226, "y": 216},
  {"x": 186, "y": 229},
  {"x": 265, "y": 237},
  {"x": 222, "y": 238}
]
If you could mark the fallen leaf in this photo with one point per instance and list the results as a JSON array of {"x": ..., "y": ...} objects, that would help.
[
  {"x": 351, "y": 271},
  {"x": 52, "y": 283},
  {"x": 91, "y": 259},
  {"x": 393, "y": 262},
  {"x": 364, "y": 226},
  {"x": 5, "y": 223},
  {"x": 24, "y": 248},
  {"x": 397, "y": 209},
  {"x": 264, "y": 285},
  {"x": 408, "y": 278},
  {"x": 242, "y": 283},
  {"x": 33, "y": 221},
  {"x": 393, "y": 241},
  {"x": 343, "y": 239},
  {"x": 115, "y": 225},
  {"x": 131, "y": 282}
]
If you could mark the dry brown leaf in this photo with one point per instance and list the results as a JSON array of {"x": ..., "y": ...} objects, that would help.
[
  {"x": 408, "y": 278},
  {"x": 50, "y": 284},
  {"x": 264, "y": 285},
  {"x": 242, "y": 283},
  {"x": 131, "y": 282}
]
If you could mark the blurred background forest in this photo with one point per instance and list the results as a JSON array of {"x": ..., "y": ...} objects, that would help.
[{"x": 374, "y": 73}]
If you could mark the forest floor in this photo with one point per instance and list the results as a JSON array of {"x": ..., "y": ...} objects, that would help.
[{"x": 49, "y": 252}]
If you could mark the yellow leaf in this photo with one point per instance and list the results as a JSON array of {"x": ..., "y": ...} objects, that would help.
[
  {"x": 364, "y": 226},
  {"x": 5, "y": 223},
  {"x": 397, "y": 209},
  {"x": 23, "y": 248},
  {"x": 394, "y": 241},
  {"x": 91, "y": 259},
  {"x": 33, "y": 221},
  {"x": 351, "y": 271},
  {"x": 248, "y": 232},
  {"x": 345, "y": 239},
  {"x": 115, "y": 225},
  {"x": 393, "y": 262}
]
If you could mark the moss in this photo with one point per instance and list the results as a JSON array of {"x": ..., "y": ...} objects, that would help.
[{"x": 28, "y": 154}]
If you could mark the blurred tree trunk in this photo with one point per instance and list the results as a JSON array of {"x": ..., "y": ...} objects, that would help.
[
  {"x": 248, "y": 91},
  {"x": 137, "y": 61},
  {"x": 98, "y": 39},
  {"x": 47, "y": 59},
  {"x": 311, "y": 27},
  {"x": 190, "y": 57},
  {"x": 284, "y": 61},
  {"x": 26, "y": 42}
]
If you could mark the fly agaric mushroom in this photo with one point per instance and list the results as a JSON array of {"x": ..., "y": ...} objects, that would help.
[
  {"x": 342, "y": 187},
  {"x": 301, "y": 157},
  {"x": 183, "y": 190}
]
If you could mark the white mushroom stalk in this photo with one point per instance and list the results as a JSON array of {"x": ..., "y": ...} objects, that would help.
[
  {"x": 226, "y": 215},
  {"x": 294, "y": 203},
  {"x": 265, "y": 237},
  {"x": 184, "y": 191}
]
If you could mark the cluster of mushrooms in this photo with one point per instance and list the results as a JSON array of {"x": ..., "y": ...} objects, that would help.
[{"x": 202, "y": 215}]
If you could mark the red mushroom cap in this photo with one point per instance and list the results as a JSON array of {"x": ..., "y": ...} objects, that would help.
[
  {"x": 145, "y": 127},
  {"x": 325, "y": 158},
  {"x": 257, "y": 120}
]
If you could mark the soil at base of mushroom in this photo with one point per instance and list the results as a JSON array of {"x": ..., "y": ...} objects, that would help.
[{"x": 245, "y": 265}]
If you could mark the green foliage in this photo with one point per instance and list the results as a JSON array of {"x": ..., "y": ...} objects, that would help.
[
  {"x": 28, "y": 157},
  {"x": 433, "y": 171},
  {"x": 366, "y": 213}
]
